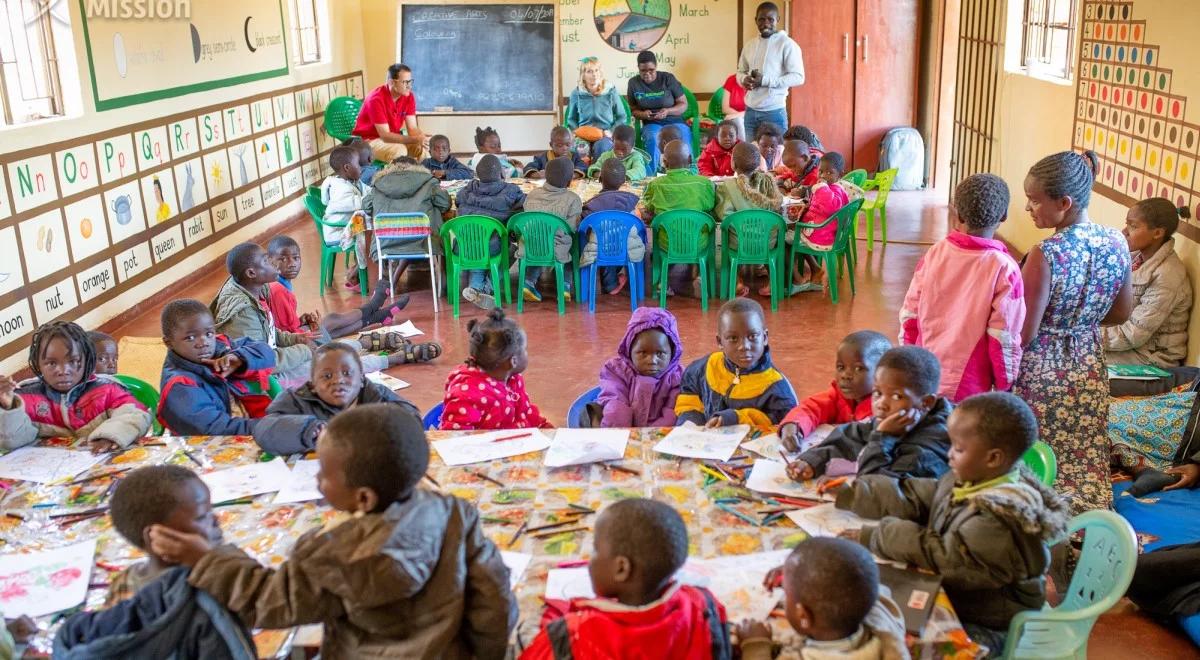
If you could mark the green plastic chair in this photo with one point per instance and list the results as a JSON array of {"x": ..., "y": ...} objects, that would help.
[
  {"x": 692, "y": 113},
  {"x": 1041, "y": 461},
  {"x": 841, "y": 255},
  {"x": 1101, "y": 577},
  {"x": 714, "y": 111},
  {"x": 471, "y": 236},
  {"x": 536, "y": 230},
  {"x": 329, "y": 253},
  {"x": 146, "y": 395},
  {"x": 754, "y": 228},
  {"x": 878, "y": 206},
  {"x": 340, "y": 116},
  {"x": 690, "y": 238},
  {"x": 857, "y": 177},
  {"x": 274, "y": 388}
]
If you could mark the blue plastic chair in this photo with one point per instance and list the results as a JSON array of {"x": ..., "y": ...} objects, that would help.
[
  {"x": 1101, "y": 577},
  {"x": 433, "y": 419},
  {"x": 578, "y": 409},
  {"x": 612, "y": 249}
]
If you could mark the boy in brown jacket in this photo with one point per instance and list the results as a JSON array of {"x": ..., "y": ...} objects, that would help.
[{"x": 408, "y": 575}]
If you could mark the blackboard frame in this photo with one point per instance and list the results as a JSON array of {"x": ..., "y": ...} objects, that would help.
[{"x": 556, "y": 89}]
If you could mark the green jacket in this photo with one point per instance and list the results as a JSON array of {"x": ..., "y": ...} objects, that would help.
[
  {"x": 679, "y": 189},
  {"x": 634, "y": 162},
  {"x": 237, "y": 314}
]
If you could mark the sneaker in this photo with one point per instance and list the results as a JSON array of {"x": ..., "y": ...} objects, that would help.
[
  {"x": 567, "y": 295},
  {"x": 807, "y": 287},
  {"x": 479, "y": 299},
  {"x": 531, "y": 293}
]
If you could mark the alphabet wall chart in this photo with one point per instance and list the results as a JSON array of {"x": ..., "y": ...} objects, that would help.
[{"x": 85, "y": 219}]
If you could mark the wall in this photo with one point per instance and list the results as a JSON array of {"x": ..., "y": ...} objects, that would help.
[
  {"x": 65, "y": 251},
  {"x": 1037, "y": 117}
]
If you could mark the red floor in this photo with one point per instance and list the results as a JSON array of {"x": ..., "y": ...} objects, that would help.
[{"x": 566, "y": 351}]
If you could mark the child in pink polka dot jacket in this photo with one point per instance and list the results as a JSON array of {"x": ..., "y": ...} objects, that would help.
[{"x": 488, "y": 391}]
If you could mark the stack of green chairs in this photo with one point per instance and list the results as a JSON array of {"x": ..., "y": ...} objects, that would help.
[
  {"x": 684, "y": 237},
  {"x": 754, "y": 229},
  {"x": 841, "y": 255},
  {"x": 857, "y": 177},
  {"x": 466, "y": 244},
  {"x": 329, "y": 253},
  {"x": 340, "y": 115},
  {"x": 878, "y": 206},
  {"x": 536, "y": 231}
]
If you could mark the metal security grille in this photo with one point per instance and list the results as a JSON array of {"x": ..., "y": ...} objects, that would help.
[
  {"x": 29, "y": 85},
  {"x": 980, "y": 61}
]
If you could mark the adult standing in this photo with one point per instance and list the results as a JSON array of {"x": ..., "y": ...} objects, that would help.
[
  {"x": 770, "y": 65},
  {"x": 1075, "y": 281},
  {"x": 595, "y": 108},
  {"x": 656, "y": 98},
  {"x": 386, "y": 111}
]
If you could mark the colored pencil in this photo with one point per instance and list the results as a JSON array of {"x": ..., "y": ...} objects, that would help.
[
  {"x": 733, "y": 512},
  {"x": 572, "y": 564},
  {"x": 483, "y": 476},
  {"x": 619, "y": 468},
  {"x": 711, "y": 472},
  {"x": 520, "y": 531},
  {"x": 110, "y": 473},
  {"x": 87, "y": 512},
  {"x": 580, "y": 507},
  {"x": 831, "y": 484},
  {"x": 192, "y": 458},
  {"x": 516, "y": 436},
  {"x": 432, "y": 481},
  {"x": 556, "y": 532},
  {"x": 564, "y": 523}
]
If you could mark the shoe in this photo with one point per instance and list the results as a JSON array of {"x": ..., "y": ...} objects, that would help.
[
  {"x": 806, "y": 287},
  {"x": 479, "y": 299},
  {"x": 622, "y": 280},
  {"x": 567, "y": 295},
  {"x": 530, "y": 293}
]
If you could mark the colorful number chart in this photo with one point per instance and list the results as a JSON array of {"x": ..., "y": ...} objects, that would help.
[
  {"x": 1127, "y": 113},
  {"x": 85, "y": 219}
]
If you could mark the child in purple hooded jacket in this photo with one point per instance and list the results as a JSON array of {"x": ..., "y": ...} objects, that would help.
[{"x": 638, "y": 387}]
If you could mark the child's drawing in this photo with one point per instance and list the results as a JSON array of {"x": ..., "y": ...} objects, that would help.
[
  {"x": 693, "y": 441},
  {"x": 580, "y": 446},
  {"x": 826, "y": 520},
  {"x": 302, "y": 486},
  {"x": 45, "y": 464},
  {"x": 736, "y": 581},
  {"x": 771, "y": 477},
  {"x": 482, "y": 447},
  {"x": 45, "y": 582},
  {"x": 246, "y": 480}
]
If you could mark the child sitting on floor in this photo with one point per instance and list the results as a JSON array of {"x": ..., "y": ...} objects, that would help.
[
  {"x": 205, "y": 376},
  {"x": 966, "y": 301},
  {"x": 106, "y": 352},
  {"x": 151, "y": 610},
  {"x": 639, "y": 544},
  {"x": 638, "y": 386},
  {"x": 556, "y": 198},
  {"x": 717, "y": 157},
  {"x": 488, "y": 392},
  {"x": 441, "y": 162},
  {"x": 985, "y": 527},
  {"x": 737, "y": 384},
  {"x": 296, "y": 417},
  {"x": 848, "y": 398},
  {"x": 633, "y": 161},
  {"x": 562, "y": 145},
  {"x": 487, "y": 141},
  {"x": 906, "y": 438},
  {"x": 826, "y": 199},
  {"x": 799, "y": 172},
  {"x": 833, "y": 600},
  {"x": 65, "y": 397},
  {"x": 405, "y": 572},
  {"x": 751, "y": 188},
  {"x": 496, "y": 198},
  {"x": 342, "y": 195},
  {"x": 769, "y": 138}
]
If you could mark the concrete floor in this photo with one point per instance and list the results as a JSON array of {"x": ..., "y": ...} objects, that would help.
[{"x": 566, "y": 351}]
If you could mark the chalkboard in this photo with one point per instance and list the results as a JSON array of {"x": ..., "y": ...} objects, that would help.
[{"x": 480, "y": 58}]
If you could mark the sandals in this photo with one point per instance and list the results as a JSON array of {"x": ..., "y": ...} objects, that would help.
[
  {"x": 425, "y": 352},
  {"x": 388, "y": 341}
]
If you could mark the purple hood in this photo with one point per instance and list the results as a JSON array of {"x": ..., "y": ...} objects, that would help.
[{"x": 630, "y": 399}]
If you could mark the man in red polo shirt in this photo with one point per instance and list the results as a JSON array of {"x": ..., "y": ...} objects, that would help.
[{"x": 388, "y": 109}]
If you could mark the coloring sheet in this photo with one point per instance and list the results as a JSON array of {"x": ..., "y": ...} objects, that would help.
[
  {"x": 692, "y": 441},
  {"x": 579, "y": 446},
  {"x": 46, "y": 464},
  {"x": 826, "y": 520},
  {"x": 483, "y": 447},
  {"x": 771, "y": 477},
  {"x": 390, "y": 382},
  {"x": 246, "y": 480},
  {"x": 516, "y": 562},
  {"x": 767, "y": 446},
  {"x": 406, "y": 329},
  {"x": 301, "y": 485},
  {"x": 45, "y": 582}
]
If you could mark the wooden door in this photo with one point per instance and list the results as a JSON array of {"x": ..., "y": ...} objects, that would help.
[
  {"x": 825, "y": 102},
  {"x": 885, "y": 74}
]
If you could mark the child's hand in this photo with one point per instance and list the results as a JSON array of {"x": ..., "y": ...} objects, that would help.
[
  {"x": 438, "y": 174},
  {"x": 225, "y": 365},
  {"x": 789, "y": 435},
  {"x": 773, "y": 578},
  {"x": 713, "y": 423},
  {"x": 899, "y": 423},
  {"x": 800, "y": 471},
  {"x": 849, "y": 535},
  {"x": 311, "y": 319},
  {"x": 177, "y": 547},
  {"x": 102, "y": 445},
  {"x": 749, "y": 629},
  {"x": 22, "y": 629},
  {"x": 8, "y": 391}
]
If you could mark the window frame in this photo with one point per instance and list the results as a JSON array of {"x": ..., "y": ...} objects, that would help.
[
  {"x": 301, "y": 57},
  {"x": 49, "y": 62},
  {"x": 1037, "y": 34}
]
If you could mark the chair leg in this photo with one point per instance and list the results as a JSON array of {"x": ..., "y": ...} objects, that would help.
[
  {"x": 453, "y": 277},
  {"x": 883, "y": 225},
  {"x": 433, "y": 279},
  {"x": 560, "y": 285},
  {"x": 831, "y": 270},
  {"x": 703, "y": 285},
  {"x": 772, "y": 277},
  {"x": 662, "y": 284},
  {"x": 520, "y": 276},
  {"x": 634, "y": 276}
]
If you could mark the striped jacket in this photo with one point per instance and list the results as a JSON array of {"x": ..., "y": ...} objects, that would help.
[{"x": 714, "y": 387}]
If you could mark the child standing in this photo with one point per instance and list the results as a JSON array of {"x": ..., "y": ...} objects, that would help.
[
  {"x": 562, "y": 145},
  {"x": 106, "y": 352},
  {"x": 622, "y": 151},
  {"x": 848, "y": 398},
  {"x": 487, "y": 141},
  {"x": 751, "y": 188},
  {"x": 612, "y": 198},
  {"x": 65, "y": 397},
  {"x": 205, "y": 374},
  {"x": 966, "y": 302},
  {"x": 717, "y": 157},
  {"x": 408, "y": 573},
  {"x": 736, "y": 384},
  {"x": 488, "y": 391},
  {"x": 556, "y": 198},
  {"x": 639, "y": 545},
  {"x": 342, "y": 195},
  {"x": 985, "y": 527},
  {"x": 441, "y": 162},
  {"x": 638, "y": 386},
  {"x": 488, "y": 195},
  {"x": 827, "y": 198},
  {"x": 906, "y": 438}
]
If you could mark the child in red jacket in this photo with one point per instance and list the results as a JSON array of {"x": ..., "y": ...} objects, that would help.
[
  {"x": 638, "y": 611},
  {"x": 717, "y": 157},
  {"x": 848, "y": 398}
]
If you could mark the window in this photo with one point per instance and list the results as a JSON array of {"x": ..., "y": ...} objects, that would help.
[
  {"x": 30, "y": 88},
  {"x": 1048, "y": 37},
  {"x": 308, "y": 39}
]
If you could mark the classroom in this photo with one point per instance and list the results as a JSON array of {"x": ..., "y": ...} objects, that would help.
[{"x": 528, "y": 329}]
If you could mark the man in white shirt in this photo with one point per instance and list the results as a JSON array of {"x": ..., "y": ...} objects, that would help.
[{"x": 769, "y": 65}]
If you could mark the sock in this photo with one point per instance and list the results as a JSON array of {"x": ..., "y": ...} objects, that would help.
[{"x": 371, "y": 307}]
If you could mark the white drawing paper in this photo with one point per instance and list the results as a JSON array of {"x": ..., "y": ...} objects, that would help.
[
  {"x": 40, "y": 583},
  {"x": 483, "y": 447},
  {"x": 692, "y": 441},
  {"x": 516, "y": 562},
  {"x": 302, "y": 484},
  {"x": 390, "y": 382},
  {"x": 826, "y": 520},
  {"x": 771, "y": 477},
  {"x": 246, "y": 480},
  {"x": 581, "y": 446},
  {"x": 46, "y": 464}
]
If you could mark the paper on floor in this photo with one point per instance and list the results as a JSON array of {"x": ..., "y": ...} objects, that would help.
[{"x": 390, "y": 382}]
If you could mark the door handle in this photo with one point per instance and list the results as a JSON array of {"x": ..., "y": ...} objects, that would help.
[
  {"x": 845, "y": 46},
  {"x": 864, "y": 48}
]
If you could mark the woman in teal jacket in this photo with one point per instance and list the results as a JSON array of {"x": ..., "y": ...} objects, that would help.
[{"x": 597, "y": 104}]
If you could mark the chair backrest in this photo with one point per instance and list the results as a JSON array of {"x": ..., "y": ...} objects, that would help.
[
  {"x": 754, "y": 228},
  {"x": 578, "y": 409},
  {"x": 433, "y": 419},
  {"x": 715, "y": 112},
  {"x": 1105, "y": 564},
  {"x": 845, "y": 224},
  {"x": 612, "y": 235},
  {"x": 402, "y": 225},
  {"x": 315, "y": 208},
  {"x": 145, "y": 393},
  {"x": 473, "y": 234},
  {"x": 536, "y": 229},
  {"x": 857, "y": 177},
  {"x": 693, "y": 113},
  {"x": 883, "y": 183},
  {"x": 686, "y": 231},
  {"x": 1041, "y": 461},
  {"x": 340, "y": 115}
]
